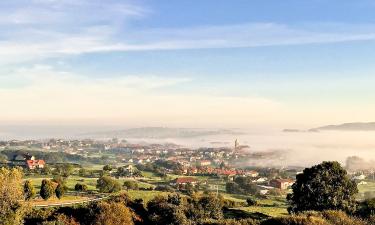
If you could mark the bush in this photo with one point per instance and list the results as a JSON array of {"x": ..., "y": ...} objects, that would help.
[
  {"x": 165, "y": 188},
  {"x": 130, "y": 185},
  {"x": 227, "y": 203},
  {"x": 251, "y": 202},
  {"x": 80, "y": 187}
]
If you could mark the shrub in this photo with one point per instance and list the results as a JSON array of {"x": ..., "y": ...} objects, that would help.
[
  {"x": 227, "y": 203},
  {"x": 165, "y": 188},
  {"x": 251, "y": 202},
  {"x": 131, "y": 185},
  {"x": 80, "y": 187},
  {"x": 29, "y": 190}
]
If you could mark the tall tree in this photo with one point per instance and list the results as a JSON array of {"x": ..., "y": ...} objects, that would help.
[
  {"x": 323, "y": 187},
  {"x": 28, "y": 190},
  {"x": 12, "y": 209},
  {"x": 60, "y": 191},
  {"x": 47, "y": 189}
]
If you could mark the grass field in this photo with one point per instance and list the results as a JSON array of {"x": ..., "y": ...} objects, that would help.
[
  {"x": 268, "y": 207},
  {"x": 370, "y": 186},
  {"x": 54, "y": 200}
]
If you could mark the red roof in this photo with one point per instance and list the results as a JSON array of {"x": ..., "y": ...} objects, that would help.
[
  {"x": 183, "y": 180},
  {"x": 31, "y": 163}
]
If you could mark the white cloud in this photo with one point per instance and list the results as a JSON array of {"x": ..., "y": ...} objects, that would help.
[
  {"x": 34, "y": 43},
  {"x": 39, "y": 29}
]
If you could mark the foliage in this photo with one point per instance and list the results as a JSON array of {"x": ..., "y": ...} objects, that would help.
[
  {"x": 80, "y": 187},
  {"x": 113, "y": 214},
  {"x": 170, "y": 210},
  {"x": 367, "y": 208},
  {"x": 29, "y": 190},
  {"x": 242, "y": 185},
  {"x": 12, "y": 209},
  {"x": 323, "y": 187},
  {"x": 60, "y": 191},
  {"x": 229, "y": 203},
  {"x": 210, "y": 206},
  {"x": 329, "y": 217},
  {"x": 251, "y": 202},
  {"x": 62, "y": 219},
  {"x": 108, "y": 185},
  {"x": 64, "y": 170},
  {"x": 47, "y": 189},
  {"x": 131, "y": 185},
  {"x": 107, "y": 168},
  {"x": 165, "y": 188}
]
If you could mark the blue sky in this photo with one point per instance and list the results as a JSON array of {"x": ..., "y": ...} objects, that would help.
[{"x": 165, "y": 62}]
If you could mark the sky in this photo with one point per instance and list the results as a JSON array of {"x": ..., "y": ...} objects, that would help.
[{"x": 187, "y": 63}]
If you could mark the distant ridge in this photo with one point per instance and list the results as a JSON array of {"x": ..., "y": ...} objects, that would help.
[{"x": 370, "y": 126}]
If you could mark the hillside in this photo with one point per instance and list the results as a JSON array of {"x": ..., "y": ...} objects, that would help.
[{"x": 349, "y": 127}]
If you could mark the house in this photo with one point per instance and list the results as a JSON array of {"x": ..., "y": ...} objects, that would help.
[
  {"x": 35, "y": 164},
  {"x": 281, "y": 183},
  {"x": 183, "y": 181}
]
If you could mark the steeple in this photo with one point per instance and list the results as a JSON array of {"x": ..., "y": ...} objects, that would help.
[{"x": 236, "y": 145}]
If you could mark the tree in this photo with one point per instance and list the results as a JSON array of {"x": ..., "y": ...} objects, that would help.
[
  {"x": 80, "y": 187},
  {"x": 60, "y": 191},
  {"x": 234, "y": 188},
  {"x": 65, "y": 170},
  {"x": 12, "y": 209},
  {"x": 211, "y": 206},
  {"x": 113, "y": 214},
  {"x": 167, "y": 210},
  {"x": 46, "y": 170},
  {"x": 108, "y": 185},
  {"x": 47, "y": 189},
  {"x": 29, "y": 190},
  {"x": 323, "y": 187},
  {"x": 107, "y": 168},
  {"x": 130, "y": 185}
]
